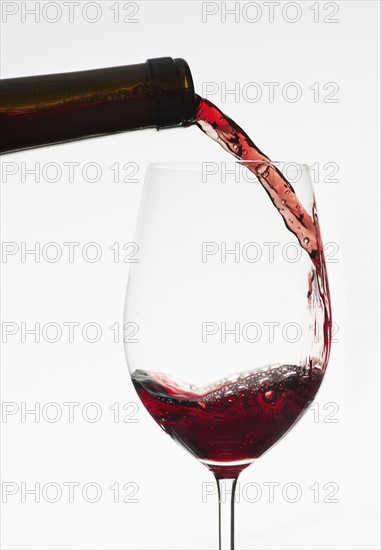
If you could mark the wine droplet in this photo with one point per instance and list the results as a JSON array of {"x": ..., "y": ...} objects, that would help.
[
  {"x": 270, "y": 396},
  {"x": 306, "y": 240}
]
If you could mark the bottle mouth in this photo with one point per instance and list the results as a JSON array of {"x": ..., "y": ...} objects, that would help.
[
  {"x": 189, "y": 96},
  {"x": 175, "y": 96}
]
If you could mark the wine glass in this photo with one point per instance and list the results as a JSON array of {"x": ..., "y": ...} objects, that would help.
[{"x": 232, "y": 313}]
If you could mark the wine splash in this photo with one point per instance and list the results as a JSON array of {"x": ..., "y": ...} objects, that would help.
[{"x": 230, "y": 424}]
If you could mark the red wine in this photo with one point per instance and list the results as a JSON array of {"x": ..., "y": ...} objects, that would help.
[
  {"x": 233, "y": 422},
  {"x": 230, "y": 424},
  {"x": 305, "y": 227}
]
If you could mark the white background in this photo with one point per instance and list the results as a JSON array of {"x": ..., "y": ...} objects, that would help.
[{"x": 170, "y": 512}]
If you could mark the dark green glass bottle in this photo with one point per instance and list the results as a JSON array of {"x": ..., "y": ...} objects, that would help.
[{"x": 47, "y": 109}]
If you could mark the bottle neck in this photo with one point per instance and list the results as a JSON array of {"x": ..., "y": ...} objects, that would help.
[{"x": 175, "y": 95}]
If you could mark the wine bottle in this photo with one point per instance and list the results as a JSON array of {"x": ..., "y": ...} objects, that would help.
[{"x": 54, "y": 108}]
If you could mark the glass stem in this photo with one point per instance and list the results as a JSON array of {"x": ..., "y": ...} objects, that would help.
[{"x": 226, "y": 496}]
